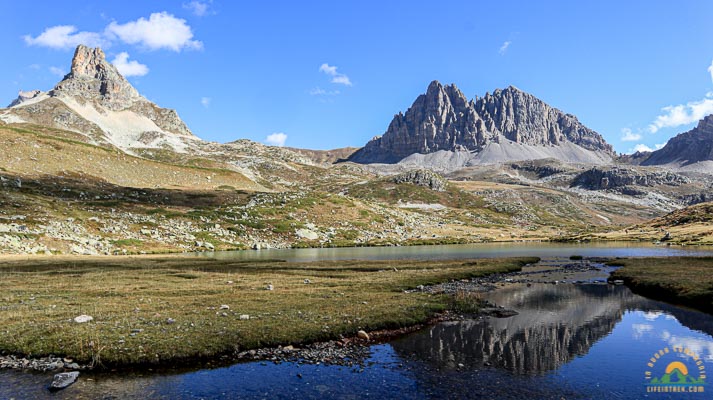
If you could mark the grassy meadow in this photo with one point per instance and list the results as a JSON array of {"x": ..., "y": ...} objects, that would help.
[
  {"x": 679, "y": 280},
  {"x": 158, "y": 310}
]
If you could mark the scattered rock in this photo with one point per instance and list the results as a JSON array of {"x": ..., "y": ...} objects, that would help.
[
  {"x": 83, "y": 318},
  {"x": 63, "y": 380},
  {"x": 225, "y": 307},
  {"x": 363, "y": 335},
  {"x": 244, "y": 317},
  {"x": 270, "y": 287}
]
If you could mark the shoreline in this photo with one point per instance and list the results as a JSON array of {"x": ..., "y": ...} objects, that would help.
[
  {"x": 351, "y": 350},
  {"x": 153, "y": 311}
]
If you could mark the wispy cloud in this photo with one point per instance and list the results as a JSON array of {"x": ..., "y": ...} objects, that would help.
[
  {"x": 198, "y": 8},
  {"x": 683, "y": 114},
  {"x": 504, "y": 48},
  {"x": 331, "y": 70},
  {"x": 205, "y": 101},
  {"x": 318, "y": 91},
  {"x": 629, "y": 136},
  {"x": 57, "y": 71},
  {"x": 161, "y": 31},
  {"x": 276, "y": 139},
  {"x": 65, "y": 37},
  {"x": 129, "y": 68}
]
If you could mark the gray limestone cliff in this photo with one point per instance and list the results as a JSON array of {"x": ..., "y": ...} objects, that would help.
[{"x": 444, "y": 119}]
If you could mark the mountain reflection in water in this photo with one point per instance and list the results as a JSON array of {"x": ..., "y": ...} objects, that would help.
[
  {"x": 569, "y": 341},
  {"x": 555, "y": 324}
]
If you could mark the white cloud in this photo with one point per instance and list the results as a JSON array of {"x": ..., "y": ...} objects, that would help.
[
  {"x": 710, "y": 70},
  {"x": 682, "y": 114},
  {"x": 504, "y": 48},
  {"x": 331, "y": 70},
  {"x": 198, "y": 8},
  {"x": 65, "y": 37},
  {"x": 57, "y": 71},
  {"x": 129, "y": 68},
  {"x": 629, "y": 136},
  {"x": 34, "y": 66},
  {"x": 640, "y": 148},
  {"x": 318, "y": 91},
  {"x": 161, "y": 31},
  {"x": 205, "y": 101},
  {"x": 276, "y": 139}
]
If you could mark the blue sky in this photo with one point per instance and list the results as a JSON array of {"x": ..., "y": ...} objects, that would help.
[{"x": 328, "y": 74}]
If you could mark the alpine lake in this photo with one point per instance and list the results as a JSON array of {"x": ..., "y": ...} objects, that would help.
[{"x": 577, "y": 338}]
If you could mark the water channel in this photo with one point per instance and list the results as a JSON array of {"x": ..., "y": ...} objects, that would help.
[{"x": 590, "y": 341}]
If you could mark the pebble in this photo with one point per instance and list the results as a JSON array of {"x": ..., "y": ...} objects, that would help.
[{"x": 363, "y": 335}]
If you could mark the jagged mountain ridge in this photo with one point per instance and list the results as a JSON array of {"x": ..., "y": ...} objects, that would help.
[
  {"x": 443, "y": 119},
  {"x": 96, "y": 100},
  {"x": 687, "y": 148}
]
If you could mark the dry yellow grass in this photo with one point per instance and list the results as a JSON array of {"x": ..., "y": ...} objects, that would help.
[
  {"x": 36, "y": 154},
  {"x": 158, "y": 310}
]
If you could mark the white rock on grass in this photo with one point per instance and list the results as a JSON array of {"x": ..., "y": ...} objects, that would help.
[{"x": 83, "y": 318}]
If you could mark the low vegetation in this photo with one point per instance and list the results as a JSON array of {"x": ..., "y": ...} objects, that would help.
[
  {"x": 681, "y": 280},
  {"x": 155, "y": 310}
]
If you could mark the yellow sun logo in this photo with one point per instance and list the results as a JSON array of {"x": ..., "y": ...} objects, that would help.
[{"x": 677, "y": 365}]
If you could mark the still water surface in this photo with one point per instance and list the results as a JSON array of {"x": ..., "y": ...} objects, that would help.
[
  {"x": 481, "y": 250},
  {"x": 568, "y": 341}
]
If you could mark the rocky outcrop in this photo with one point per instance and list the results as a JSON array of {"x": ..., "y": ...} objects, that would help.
[
  {"x": 92, "y": 78},
  {"x": 95, "y": 80},
  {"x": 444, "y": 119},
  {"x": 23, "y": 96},
  {"x": 94, "y": 99},
  {"x": 422, "y": 177},
  {"x": 686, "y": 148},
  {"x": 619, "y": 179}
]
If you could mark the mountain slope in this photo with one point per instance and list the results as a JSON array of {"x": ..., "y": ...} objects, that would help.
[
  {"x": 95, "y": 100},
  {"x": 688, "y": 149},
  {"x": 507, "y": 125}
]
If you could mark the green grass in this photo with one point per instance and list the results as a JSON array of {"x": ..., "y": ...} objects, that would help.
[
  {"x": 40, "y": 298},
  {"x": 680, "y": 280}
]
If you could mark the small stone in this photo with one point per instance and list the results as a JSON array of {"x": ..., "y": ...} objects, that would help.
[
  {"x": 225, "y": 307},
  {"x": 270, "y": 287},
  {"x": 244, "y": 317},
  {"x": 83, "y": 318},
  {"x": 170, "y": 321},
  {"x": 63, "y": 380},
  {"x": 307, "y": 281},
  {"x": 363, "y": 335}
]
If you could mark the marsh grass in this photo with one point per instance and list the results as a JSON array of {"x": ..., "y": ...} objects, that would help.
[
  {"x": 679, "y": 280},
  {"x": 132, "y": 299}
]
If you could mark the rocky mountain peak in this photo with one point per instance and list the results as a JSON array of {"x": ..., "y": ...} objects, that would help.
[
  {"x": 444, "y": 119},
  {"x": 23, "y": 96},
  {"x": 94, "y": 78},
  {"x": 687, "y": 148}
]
